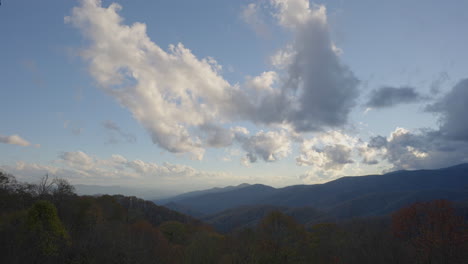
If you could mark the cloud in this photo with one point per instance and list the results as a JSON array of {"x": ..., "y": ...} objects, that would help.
[
  {"x": 327, "y": 151},
  {"x": 319, "y": 91},
  {"x": 453, "y": 108},
  {"x": 80, "y": 167},
  {"x": 425, "y": 149},
  {"x": 283, "y": 57},
  {"x": 217, "y": 136},
  {"x": 115, "y": 130},
  {"x": 184, "y": 102},
  {"x": 251, "y": 16},
  {"x": 263, "y": 82},
  {"x": 294, "y": 13},
  {"x": 15, "y": 140},
  {"x": 118, "y": 166},
  {"x": 444, "y": 146},
  {"x": 78, "y": 160},
  {"x": 269, "y": 146},
  {"x": 390, "y": 96},
  {"x": 373, "y": 151},
  {"x": 167, "y": 92},
  {"x": 378, "y": 142}
]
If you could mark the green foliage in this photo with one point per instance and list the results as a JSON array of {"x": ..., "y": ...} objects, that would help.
[{"x": 45, "y": 228}]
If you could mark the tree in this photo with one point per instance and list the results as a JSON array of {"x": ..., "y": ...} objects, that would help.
[
  {"x": 7, "y": 181},
  {"x": 45, "y": 231},
  {"x": 434, "y": 231},
  {"x": 281, "y": 239},
  {"x": 62, "y": 187},
  {"x": 175, "y": 232},
  {"x": 44, "y": 187}
]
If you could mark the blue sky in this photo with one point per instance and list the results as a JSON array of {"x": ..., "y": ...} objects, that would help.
[{"x": 94, "y": 92}]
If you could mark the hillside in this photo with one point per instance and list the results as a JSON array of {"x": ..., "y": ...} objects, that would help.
[
  {"x": 346, "y": 197},
  {"x": 199, "y": 193},
  {"x": 49, "y": 223},
  {"x": 210, "y": 203},
  {"x": 249, "y": 216}
]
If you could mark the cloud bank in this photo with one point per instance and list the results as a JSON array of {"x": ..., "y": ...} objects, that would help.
[{"x": 80, "y": 167}]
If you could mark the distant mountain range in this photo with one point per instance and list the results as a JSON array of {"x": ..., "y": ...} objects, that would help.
[
  {"x": 198, "y": 193},
  {"x": 146, "y": 193},
  {"x": 344, "y": 198}
]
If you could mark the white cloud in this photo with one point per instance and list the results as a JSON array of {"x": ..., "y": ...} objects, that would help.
[
  {"x": 251, "y": 16},
  {"x": 328, "y": 151},
  {"x": 295, "y": 13},
  {"x": 15, "y": 140},
  {"x": 186, "y": 105},
  {"x": 269, "y": 146},
  {"x": 80, "y": 167},
  {"x": 425, "y": 149},
  {"x": 78, "y": 159},
  {"x": 283, "y": 57},
  {"x": 264, "y": 81},
  {"x": 166, "y": 91}
]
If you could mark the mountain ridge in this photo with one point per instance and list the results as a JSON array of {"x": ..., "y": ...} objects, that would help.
[{"x": 397, "y": 187}]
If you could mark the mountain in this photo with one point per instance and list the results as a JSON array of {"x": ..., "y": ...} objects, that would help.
[
  {"x": 210, "y": 203},
  {"x": 347, "y": 197},
  {"x": 198, "y": 193},
  {"x": 249, "y": 216},
  {"x": 334, "y": 193},
  {"x": 143, "y": 192}
]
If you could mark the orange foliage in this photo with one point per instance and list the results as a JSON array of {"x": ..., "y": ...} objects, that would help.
[{"x": 432, "y": 228}]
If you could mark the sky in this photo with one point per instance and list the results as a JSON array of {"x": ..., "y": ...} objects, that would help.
[{"x": 183, "y": 95}]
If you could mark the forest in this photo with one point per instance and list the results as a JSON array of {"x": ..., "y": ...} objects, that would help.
[{"x": 47, "y": 222}]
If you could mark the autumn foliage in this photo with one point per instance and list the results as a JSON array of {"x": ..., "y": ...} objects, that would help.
[
  {"x": 49, "y": 223},
  {"x": 433, "y": 230}
]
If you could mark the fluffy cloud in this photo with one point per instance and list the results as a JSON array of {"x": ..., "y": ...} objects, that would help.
[
  {"x": 319, "y": 91},
  {"x": 390, "y": 96},
  {"x": 252, "y": 16},
  {"x": 184, "y": 102},
  {"x": 263, "y": 82},
  {"x": 294, "y": 13},
  {"x": 327, "y": 151},
  {"x": 269, "y": 146},
  {"x": 425, "y": 149},
  {"x": 167, "y": 92},
  {"x": 283, "y": 57},
  {"x": 15, "y": 140}
]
